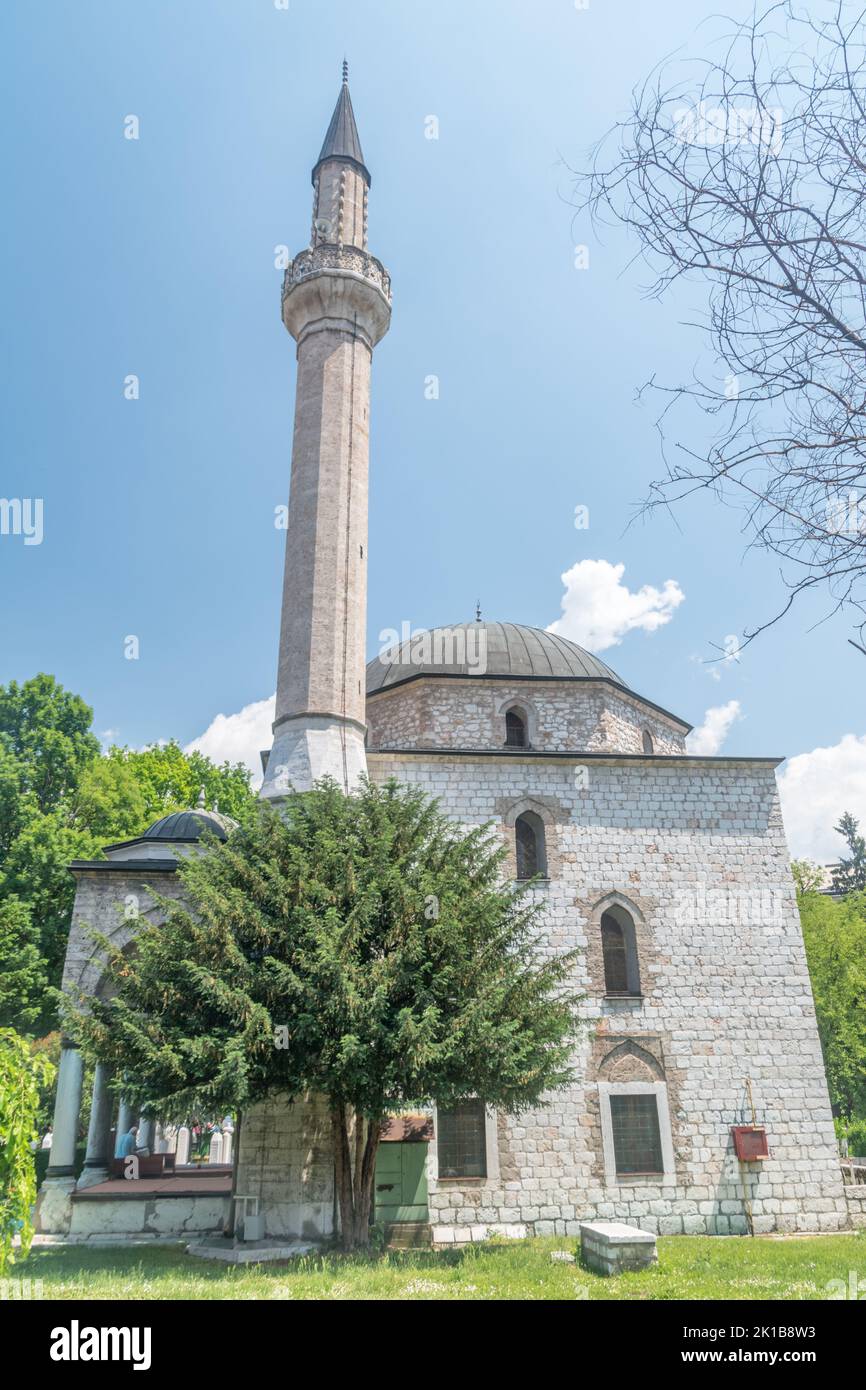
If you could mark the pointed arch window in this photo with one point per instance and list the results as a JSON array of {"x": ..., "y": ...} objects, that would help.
[
  {"x": 619, "y": 951},
  {"x": 648, "y": 744},
  {"x": 515, "y": 729},
  {"x": 530, "y": 846}
]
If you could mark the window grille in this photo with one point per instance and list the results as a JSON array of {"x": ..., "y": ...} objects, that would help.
[
  {"x": 462, "y": 1141},
  {"x": 637, "y": 1142},
  {"x": 515, "y": 729},
  {"x": 615, "y": 955},
  {"x": 530, "y": 857}
]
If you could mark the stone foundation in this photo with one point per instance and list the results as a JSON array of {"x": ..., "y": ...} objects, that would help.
[{"x": 153, "y": 1216}]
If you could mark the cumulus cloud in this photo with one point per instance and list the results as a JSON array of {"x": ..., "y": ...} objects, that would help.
[
  {"x": 598, "y": 609},
  {"x": 239, "y": 738},
  {"x": 815, "y": 789},
  {"x": 708, "y": 737}
]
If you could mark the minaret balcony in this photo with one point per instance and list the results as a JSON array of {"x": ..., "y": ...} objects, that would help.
[{"x": 350, "y": 260}]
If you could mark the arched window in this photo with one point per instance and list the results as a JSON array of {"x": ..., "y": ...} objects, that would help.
[
  {"x": 515, "y": 729},
  {"x": 619, "y": 950},
  {"x": 529, "y": 843},
  {"x": 648, "y": 745}
]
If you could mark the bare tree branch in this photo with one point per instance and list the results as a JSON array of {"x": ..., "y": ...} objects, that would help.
[{"x": 748, "y": 173}]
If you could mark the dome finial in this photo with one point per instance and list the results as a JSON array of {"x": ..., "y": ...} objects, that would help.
[
  {"x": 200, "y": 804},
  {"x": 345, "y": 73},
  {"x": 478, "y": 611}
]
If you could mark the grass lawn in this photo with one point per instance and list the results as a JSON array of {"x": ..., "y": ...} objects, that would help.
[{"x": 689, "y": 1267}]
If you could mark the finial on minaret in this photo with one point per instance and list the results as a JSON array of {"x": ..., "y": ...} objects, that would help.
[
  {"x": 200, "y": 804},
  {"x": 342, "y": 142},
  {"x": 478, "y": 611}
]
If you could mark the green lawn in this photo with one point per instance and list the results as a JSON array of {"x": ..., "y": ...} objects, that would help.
[{"x": 689, "y": 1267}]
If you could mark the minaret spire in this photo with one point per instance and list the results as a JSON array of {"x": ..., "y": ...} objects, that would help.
[{"x": 337, "y": 306}]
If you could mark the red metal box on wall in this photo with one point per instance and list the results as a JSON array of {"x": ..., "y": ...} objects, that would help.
[{"x": 750, "y": 1142}]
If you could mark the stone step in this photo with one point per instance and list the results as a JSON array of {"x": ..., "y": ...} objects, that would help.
[{"x": 408, "y": 1235}]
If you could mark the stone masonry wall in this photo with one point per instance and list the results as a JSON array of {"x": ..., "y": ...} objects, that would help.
[
  {"x": 697, "y": 850},
  {"x": 286, "y": 1159},
  {"x": 565, "y": 716},
  {"x": 117, "y": 906}
]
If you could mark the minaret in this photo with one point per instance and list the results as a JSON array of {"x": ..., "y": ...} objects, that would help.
[{"x": 336, "y": 305}]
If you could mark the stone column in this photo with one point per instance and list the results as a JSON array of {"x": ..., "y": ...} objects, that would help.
[
  {"x": 54, "y": 1207},
  {"x": 125, "y": 1121},
  {"x": 147, "y": 1133},
  {"x": 66, "y": 1110},
  {"x": 97, "y": 1158}
]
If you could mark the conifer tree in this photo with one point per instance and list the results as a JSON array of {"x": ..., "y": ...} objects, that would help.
[
  {"x": 364, "y": 948},
  {"x": 850, "y": 874}
]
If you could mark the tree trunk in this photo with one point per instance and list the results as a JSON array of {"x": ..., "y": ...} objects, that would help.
[
  {"x": 342, "y": 1170},
  {"x": 364, "y": 1205},
  {"x": 355, "y": 1181},
  {"x": 229, "y": 1228}
]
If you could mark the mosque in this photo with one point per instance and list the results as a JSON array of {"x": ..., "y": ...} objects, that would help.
[{"x": 700, "y": 1104}]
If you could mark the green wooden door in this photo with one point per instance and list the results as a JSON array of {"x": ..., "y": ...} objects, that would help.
[{"x": 401, "y": 1182}]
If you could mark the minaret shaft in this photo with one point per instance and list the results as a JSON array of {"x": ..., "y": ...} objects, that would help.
[
  {"x": 337, "y": 305},
  {"x": 322, "y": 640}
]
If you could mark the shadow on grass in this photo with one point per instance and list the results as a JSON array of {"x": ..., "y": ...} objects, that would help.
[{"x": 57, "y": 1262}]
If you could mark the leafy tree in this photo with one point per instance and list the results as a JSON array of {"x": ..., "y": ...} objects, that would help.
[
  {"x": 60, "y": 800},
  {"x": 16, "y": 805},
  {"x": 170, "y": 780},
  {"x": 22, "y": 1075},
  {"x": 363, "y": 948},
  {"x": 109, "y": 803},
  {"x": 36, "y": 871},
  {"x": 835, "y": 936},
  {"x": 808, "y": 877},
  {"x": 850, "y": 875},
  {"x": 23, "y": 977},
  {"x": 47, "y": 729}
]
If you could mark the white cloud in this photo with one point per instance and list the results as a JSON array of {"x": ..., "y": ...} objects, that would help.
[
  {"x": 815, "y": 789},
  {"x": 707, "y": 738},
  {"x": 239, "y": 738},
  {"x": 598, "y": 609}
]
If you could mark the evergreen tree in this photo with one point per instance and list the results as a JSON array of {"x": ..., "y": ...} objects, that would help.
[
  {"x": 850, "y": 875},
  {"x": 363, "y": 948}
]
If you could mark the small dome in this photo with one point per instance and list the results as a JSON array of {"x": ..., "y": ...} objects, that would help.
[
  {"x": 190, "y": 825},
  {"x": 484, "y": 650}
]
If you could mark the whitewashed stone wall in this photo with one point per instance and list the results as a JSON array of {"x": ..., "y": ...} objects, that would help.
[
  {"x": 286, "y": 1159},
  {"x": 566, "y": 716},
  {"x": 698, "y": 849}
]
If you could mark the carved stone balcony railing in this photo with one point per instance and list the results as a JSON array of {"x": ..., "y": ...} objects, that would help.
[{"x": 331, "y": 257}]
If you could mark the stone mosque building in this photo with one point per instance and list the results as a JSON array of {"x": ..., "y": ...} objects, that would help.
[{"x": 669, "y": 871}]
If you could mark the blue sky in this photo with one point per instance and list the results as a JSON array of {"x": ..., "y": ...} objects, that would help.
[{"x": 156, "y": 257}]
